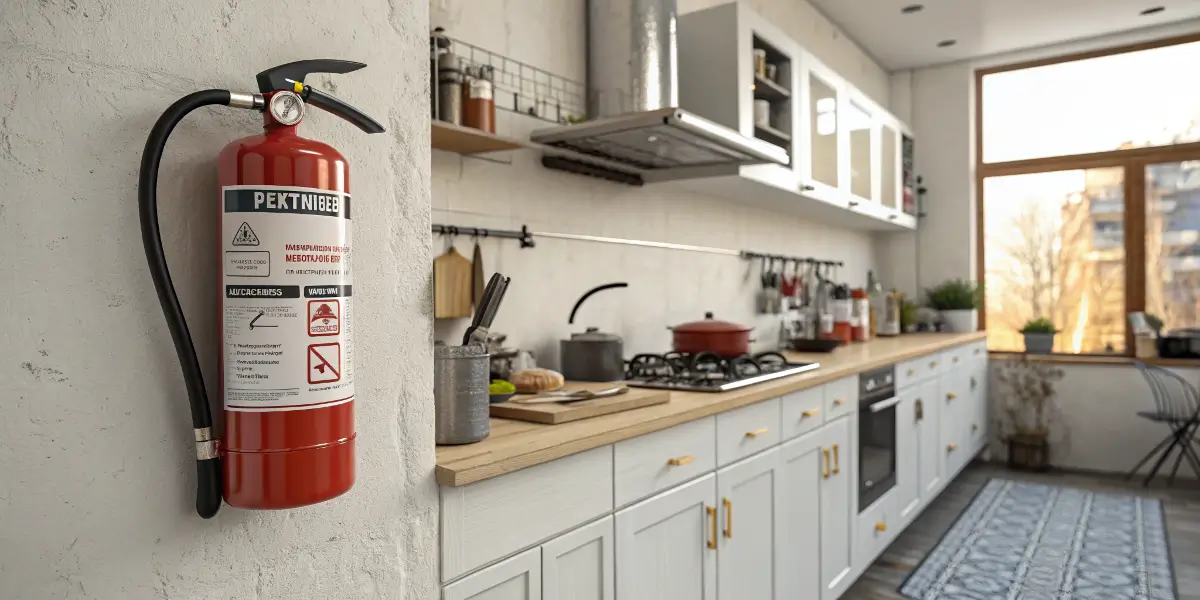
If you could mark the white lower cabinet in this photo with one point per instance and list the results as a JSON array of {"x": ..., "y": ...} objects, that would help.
[
  {"x": 954, "y": 407},
  {"x": 977, "y": 392},
  {"x": 579, "y": 565},
  {"x": 751, "y": 495},
  {"x": 839, "y": 491},
  {"x": 517, "y": 578},
  {"x": 907, "y": 493},
  {"x": 929, "y": 439},
  {"x": 667, "y": 545},
  {"x": 799, "y": 555}
]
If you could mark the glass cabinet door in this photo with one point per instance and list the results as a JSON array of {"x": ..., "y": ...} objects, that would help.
[
  {"x": 823, "y": 130},
  {"x": 889, "y": 158},
  {"x": 858, "y": 124}
]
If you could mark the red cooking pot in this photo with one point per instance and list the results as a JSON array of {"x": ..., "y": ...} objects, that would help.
[{"x": 710, "y": 335}]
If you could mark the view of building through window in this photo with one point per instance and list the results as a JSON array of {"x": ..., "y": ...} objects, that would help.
[{"x": 1056, "y": 233}]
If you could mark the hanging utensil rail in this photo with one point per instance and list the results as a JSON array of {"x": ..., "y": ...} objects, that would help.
[{"x": 526, "y": 238}]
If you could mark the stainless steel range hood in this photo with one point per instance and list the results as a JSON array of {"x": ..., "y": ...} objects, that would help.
[{"x": 633, "y": 87}]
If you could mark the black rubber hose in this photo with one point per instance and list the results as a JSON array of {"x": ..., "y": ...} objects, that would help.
[{"x": 208, "y": 470}]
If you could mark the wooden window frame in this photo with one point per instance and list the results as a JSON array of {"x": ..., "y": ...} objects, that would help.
[{"x": 1133, "y": 161}]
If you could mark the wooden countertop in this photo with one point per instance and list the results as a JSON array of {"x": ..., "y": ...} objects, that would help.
[{"x": 515, "y": 445}]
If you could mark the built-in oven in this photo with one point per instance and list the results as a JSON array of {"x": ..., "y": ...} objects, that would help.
[{"x": 876, "y": 435}]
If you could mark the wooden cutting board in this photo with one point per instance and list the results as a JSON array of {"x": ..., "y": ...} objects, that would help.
[
  {"x": 555, "y": 413},
  {"x": 452, "y": 274}
]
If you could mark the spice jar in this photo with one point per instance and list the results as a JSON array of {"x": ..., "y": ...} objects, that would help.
[
  {"x": 480, "y": 105},
  {"x": 860, "y": 317}
]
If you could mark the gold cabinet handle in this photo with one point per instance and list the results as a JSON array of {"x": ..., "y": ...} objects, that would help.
[
  {"x": 728, "y": 517},
  {"x": 973, "y": 383},
  {"x": 951, "y": 396},
  {"x": 974, "y": 427},
  {"x": 837, "y": 402},
  {"x": 712, "y": 519},
  {"x": 825, "y": 451},
  {"x": 810, "y": 413},
  {"x": 919, "y": 409},
  {"x": 757, "y": 432},
  {"x": 880, "y": 527},
  {"x": 932, "y": 364},
  {"x": 911, "y": 372},
  {"x": 680, "y": 461},
  {"x": 836, "y": 468},
  {"x": 951, "y": 447}
]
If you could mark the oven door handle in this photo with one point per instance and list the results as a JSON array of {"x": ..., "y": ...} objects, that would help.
[{"x": 885, "y": 404}]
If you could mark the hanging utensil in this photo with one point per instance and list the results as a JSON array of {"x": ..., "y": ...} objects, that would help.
[
  {"x": 451, "y": 285},
  {"x": 477, "y": 281},
  {"x": 492, "y": 296}
]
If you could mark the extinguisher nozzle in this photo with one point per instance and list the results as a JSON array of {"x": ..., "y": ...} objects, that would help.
[{"x": 208, "y": 489}]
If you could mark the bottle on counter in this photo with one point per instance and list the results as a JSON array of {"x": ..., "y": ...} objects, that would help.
[
  {"x": 875, "y": 307},
  {"x": 861, "y": 316},
  {"x": 843, "y": 311},
  {"x": 889, "y": 324}
]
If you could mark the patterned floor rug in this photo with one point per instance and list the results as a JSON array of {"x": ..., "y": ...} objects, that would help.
[{"x": 1023, "y": 541}]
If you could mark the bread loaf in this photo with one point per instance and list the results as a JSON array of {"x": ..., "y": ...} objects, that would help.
[{"x": 532, "y": 381}]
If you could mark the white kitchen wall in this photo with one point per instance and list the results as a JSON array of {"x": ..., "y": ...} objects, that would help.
[{"x": 666, "y": 286}]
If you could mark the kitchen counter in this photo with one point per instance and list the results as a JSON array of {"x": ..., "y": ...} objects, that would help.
[{"x": 515, "y": 445}]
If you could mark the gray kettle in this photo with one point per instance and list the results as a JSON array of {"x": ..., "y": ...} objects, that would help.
[{"x": 592, "y": 355}]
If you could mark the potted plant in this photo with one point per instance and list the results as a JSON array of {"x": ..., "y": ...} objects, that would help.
[
  {"x": 958, "y": 301},
  {"x": 1039, "y": 335},
  {"x": 1026, "y": 409},
  {"x": 910, "y": 315}
]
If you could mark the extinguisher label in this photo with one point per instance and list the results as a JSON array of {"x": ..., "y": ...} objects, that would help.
[{"x": 287, "y": 306}]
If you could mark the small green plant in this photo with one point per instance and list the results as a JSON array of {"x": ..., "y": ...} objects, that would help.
[
  {"x": 1039, "y": 325},
  {"x": 909, "y": 313},
  {"x": 954, "y": 294}
]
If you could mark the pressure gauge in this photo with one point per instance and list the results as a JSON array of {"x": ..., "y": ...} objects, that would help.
[{"x": 287, "y": 108}]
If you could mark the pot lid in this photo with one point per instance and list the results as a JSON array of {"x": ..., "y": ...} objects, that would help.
[
  {"x": 593, "y": 334},
  {"x": 711, "y": 325}
]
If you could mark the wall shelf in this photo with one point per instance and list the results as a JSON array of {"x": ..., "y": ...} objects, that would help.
[
  {"x": 465, "y": 140},
  {"x": 767, "y": 133},
  {"x": 765, "y": 89}
]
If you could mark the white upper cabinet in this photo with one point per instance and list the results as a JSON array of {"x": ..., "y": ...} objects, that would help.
[{"x": 845, "y": 151}]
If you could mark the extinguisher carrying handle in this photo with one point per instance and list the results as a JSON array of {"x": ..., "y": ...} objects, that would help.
[
  {"x": 291, "y": 76},
  {"x": 324, "y": 101}
]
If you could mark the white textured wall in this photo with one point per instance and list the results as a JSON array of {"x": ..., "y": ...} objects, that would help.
[
  {"x": 666, "y": 286},
  {"x": 1098, "y": 428},
  {"x": 96, "y": 451}
]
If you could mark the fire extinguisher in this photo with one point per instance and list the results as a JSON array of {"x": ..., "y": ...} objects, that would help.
[{"x": 286, "y": 291}]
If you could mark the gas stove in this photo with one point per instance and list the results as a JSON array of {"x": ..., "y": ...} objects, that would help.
[{"x": 708, "y": 372}]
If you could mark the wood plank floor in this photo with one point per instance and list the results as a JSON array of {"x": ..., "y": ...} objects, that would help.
[{"x": 1181, "y": 504}]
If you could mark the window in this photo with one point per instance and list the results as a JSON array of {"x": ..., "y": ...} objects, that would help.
[{"x": 1089, "y": 187}]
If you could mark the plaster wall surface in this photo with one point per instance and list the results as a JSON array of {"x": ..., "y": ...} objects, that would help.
[{"x": 96, "y": 451}]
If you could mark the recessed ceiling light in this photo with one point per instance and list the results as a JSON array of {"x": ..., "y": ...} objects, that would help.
[
  {"x": 1152, "y": 10},
  {"x": 912, "y": 8},
  {"x": 946, "y": 43}
]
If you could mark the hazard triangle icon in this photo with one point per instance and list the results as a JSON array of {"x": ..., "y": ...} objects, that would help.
[{"x": 245, "y": 236}]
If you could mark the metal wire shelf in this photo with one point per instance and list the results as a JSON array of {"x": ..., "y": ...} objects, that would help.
[{"x": 519, "y": 87}]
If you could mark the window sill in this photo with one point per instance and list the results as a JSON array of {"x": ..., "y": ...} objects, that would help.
[{"x": 1096, "y": 359}]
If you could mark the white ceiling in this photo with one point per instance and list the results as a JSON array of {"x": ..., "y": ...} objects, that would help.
[{"x": 987, "y": 27}]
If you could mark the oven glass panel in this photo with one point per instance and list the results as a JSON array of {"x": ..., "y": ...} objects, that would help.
[{"x": 876, "y": 454}]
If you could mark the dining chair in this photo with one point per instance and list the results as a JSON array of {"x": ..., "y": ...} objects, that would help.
[{"x": 1177, "y": 405}]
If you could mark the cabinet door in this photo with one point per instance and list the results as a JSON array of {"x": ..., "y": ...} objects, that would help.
[
  {"x": 666, "y": 545},
  {"x": 889, "y": 166},
  {"x": 929, "y": 439},
  {"x": 799, "y": 548},
  {"x": 907, "y": 492},
  {"x": 955, "y": 405},
  {"x": 820, "y": 103},
  {"x": 860, "y": 132},
  {"x": 750, "y": 492},
  {"x": 518, "y": 578},
  {"x": 979, "y": 404},
  {"x": 579, "y": 565},
  {"x": 838, "y": 501}
]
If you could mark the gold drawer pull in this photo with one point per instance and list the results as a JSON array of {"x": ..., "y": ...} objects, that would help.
[
  {"x": 932, "y": 364},
  {"x": 757, "y": 432},
  {"x": 974, "y": 427},
  {"x": 728, "y": 517},
  {"x": 951, "y": 447},
  {"x": 836, "y": 468},
  {"x": 712, "y": 519},
  {"x": 912, "y": 372},
  {"x": 810, "y": 413},
  {"x": 682, "y": 460},
  {"x": 838, "y": 402},
  {"x": 825, "y": 451},
  {"x": 881, "y": 527},
  {"x": 951, "y": 396}
]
